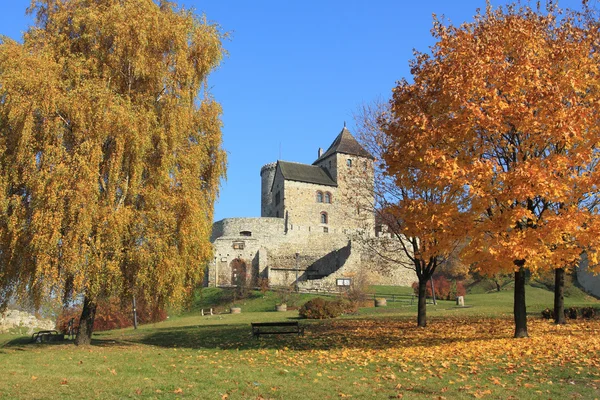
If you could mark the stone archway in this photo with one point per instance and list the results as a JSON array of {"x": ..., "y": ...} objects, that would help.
[{"x": 238, "y": 272}]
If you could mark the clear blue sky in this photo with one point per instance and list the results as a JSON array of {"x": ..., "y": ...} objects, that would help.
[{"x": 297, "y": 70}]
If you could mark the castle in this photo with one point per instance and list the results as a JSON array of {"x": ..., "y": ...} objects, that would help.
[{"x": 312, "y": 229}]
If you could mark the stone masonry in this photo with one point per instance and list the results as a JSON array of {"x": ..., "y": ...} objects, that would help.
[{"x": 314, "y": 219}]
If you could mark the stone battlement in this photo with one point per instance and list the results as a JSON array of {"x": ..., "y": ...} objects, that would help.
[{"x": 268, "y": 167}]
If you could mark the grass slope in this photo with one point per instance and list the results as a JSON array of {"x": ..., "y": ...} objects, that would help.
[{"x": 463, "y": 353}]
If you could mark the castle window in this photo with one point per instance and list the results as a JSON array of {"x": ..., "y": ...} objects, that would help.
[
  {"x": 325, "y": 229},
  {"x": 349, "y": 162},
  {"x": 319, "y": 197},
  {"x": 238, "y": 245},
  {"x": 327, "y": 197},
  {"x": 245, "y": 233},
  {"x": 277, "y": 198},
  {"x": 323, "y": 217}
]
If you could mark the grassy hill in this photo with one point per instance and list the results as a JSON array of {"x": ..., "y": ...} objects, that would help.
[
  {"x": 379, "y": 353},
  {"x": 400, "y": 301}
]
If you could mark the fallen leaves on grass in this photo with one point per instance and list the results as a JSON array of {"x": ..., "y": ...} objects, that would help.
[{"x": 462, "y": 344}]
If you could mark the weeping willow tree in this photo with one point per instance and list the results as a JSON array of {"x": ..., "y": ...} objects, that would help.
[{"x": 110, "y": 153}]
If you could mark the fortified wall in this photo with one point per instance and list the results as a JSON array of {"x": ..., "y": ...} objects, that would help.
[
  {"x": 312, "y": 229},
  {"x": 250, "y": 248}
]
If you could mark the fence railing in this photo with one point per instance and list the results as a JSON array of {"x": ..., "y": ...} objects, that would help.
[{"x": 391, "y": 297}]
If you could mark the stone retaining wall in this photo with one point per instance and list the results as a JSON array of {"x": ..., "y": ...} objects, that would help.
[{"x": 23, "y": 322}]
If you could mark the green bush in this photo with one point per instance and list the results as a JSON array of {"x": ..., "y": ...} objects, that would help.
[
  {"x": 320, "y": 308},
  {"x": 348, "y": 306}
]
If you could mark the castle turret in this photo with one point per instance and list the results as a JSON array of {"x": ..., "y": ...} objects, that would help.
[{"x": 267, "y": 174}]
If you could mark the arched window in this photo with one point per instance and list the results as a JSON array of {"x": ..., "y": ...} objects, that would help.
[
  {"x": 319, "y": 197},
  {"x": 327, "y": 197},
  {"x": 324, "y": 217}
]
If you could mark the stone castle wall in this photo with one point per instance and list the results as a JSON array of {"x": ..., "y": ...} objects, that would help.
[
  {"x": 302, "y": 208},
  {"x": 258, "y": 227},
  {"x": 271, "y": 253},
  {"x": 22, "y": 322}
]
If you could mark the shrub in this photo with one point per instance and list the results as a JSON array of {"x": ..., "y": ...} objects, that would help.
[
  {"x": 263, "y": 285},
  {"x": 320, "y": 308},
  {"x": 588, "y": 312},
  {"x": 571, "y": 312},
  {"x": 444, "y": 289},
  {"x": 547, "y": 314},
  {"x": 347, "y": 306},
  {"x": 111, "y": 314}
]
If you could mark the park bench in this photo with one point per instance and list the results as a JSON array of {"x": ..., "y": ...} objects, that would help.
[
  {"x": 209, "y": 312},
  {"x": 47, "y": 336},
  {"x": 276, "y": 328}
]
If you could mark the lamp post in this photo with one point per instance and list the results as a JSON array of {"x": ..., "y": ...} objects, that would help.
[
  {"x": 135, "y": 321},
  {"x": 296, "y": 284}
]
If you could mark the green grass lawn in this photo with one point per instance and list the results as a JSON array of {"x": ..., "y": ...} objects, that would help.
[{"x": 379, "y": 353}]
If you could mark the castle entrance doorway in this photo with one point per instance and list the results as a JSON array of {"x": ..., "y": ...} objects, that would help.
[{"x": 238, "y": 272}]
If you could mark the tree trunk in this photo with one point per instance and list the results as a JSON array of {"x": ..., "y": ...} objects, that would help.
[
  {"x": 86, "y": 322},
  {"x": 520, "y": 310},
  {"x": 559, "y": 298},
  {"x": 422, "y": 304}
]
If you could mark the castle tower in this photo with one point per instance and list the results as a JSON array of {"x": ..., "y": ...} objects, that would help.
[
  {"x": 351, "y": 166},
  {"x": 267, "y": 175}
]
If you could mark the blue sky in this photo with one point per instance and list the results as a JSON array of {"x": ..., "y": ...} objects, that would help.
[{"x": 297, "y": 70}]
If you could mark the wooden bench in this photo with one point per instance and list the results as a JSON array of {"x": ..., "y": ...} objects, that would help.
[
  {"x": 276, "y": 328},
  {"x": 47, "y": 336}
]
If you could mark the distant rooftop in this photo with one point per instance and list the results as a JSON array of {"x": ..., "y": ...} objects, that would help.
[
  {"x": 347, "y": 144},
  {"x": 305, "y": 173}
]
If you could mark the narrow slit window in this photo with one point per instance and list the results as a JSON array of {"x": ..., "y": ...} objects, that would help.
[{"x": 324, "y": 218}]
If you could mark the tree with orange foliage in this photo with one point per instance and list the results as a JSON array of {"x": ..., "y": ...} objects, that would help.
[
  {"x": 507, "y": 107},
  {"x": 419, "y": 208},
  {"x": 110, "y": 162}
]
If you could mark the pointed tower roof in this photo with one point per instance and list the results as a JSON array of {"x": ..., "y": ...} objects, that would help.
[{"x": 347, "y": 144}]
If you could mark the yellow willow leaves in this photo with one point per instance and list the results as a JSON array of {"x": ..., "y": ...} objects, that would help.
[
  {"x": 109, "y": 162},
  {"x": 501, "y": 127}
]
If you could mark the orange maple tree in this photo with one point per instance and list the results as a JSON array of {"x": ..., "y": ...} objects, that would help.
[
  {"x": 420, "y": 208},
  {"x": 503, "y": 116}
]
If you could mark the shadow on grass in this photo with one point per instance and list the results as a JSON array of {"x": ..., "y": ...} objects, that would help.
[
  {"x": 23, "y": 343},
  {"x": 325, "y": 335},
  {"x": 360, "y": 334}
]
